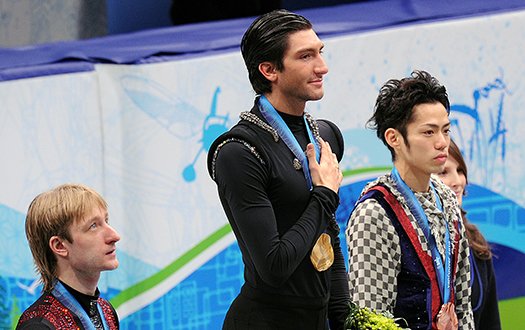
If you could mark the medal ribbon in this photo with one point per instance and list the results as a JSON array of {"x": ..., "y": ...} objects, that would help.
[
  {"x": 475, "y": 272},
  {"x": 444, "y": 272},
  {"x": 276, "y": 121},
  {"x": 67, "y": 299}
]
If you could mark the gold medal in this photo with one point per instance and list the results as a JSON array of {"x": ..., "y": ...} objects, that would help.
[
  {"x": 322, "y": 255},
  {"x": 447, "y": 318}
]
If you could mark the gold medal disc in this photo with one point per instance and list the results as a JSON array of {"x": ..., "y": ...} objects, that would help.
[{"x": 322, "y": 255}]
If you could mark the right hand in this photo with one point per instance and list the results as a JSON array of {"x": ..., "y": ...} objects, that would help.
[{"x": 325, "y": 173}]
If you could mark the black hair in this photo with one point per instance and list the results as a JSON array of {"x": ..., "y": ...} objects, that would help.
[
  {"x": 398, "y": 97},
  {"x": 266, "y": 40}
]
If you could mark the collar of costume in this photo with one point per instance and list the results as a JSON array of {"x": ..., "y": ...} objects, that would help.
[
  {"x": 276, "y": 122},
  {"x": 443, "y": 268},
  {"x": 67, "y": 299}
]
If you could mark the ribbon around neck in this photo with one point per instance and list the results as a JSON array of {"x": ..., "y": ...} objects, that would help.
[
  {"x": 67, "y": 299},
  {"x": 276, "y": 122},
  {"x": 443, "y": 271}
]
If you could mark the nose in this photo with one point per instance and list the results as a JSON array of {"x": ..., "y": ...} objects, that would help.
[
  {"x": 112, "y": 235},
  {"x": 453, "y": 179},
  {"x": 321, "y": 67},
  {"x": 443, "y": 140}
]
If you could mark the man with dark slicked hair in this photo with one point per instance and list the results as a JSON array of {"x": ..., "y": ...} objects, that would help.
[{"x": 278, "y": 177}]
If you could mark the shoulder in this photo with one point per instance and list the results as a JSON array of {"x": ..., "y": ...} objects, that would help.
[
  {"x": 331, "y": 133},
  {"x": 371, "y": 220},
  {"x": 239, "y": 143},
  {"x": 38, "y": 308},
  {"x": 379, "y": 202},
  {"x": 46, "y": 313},
  {"x": 246, "y": 137},
  {"x": 368, "y": 208}
]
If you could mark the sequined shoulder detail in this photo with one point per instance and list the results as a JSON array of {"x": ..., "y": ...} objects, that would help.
[
  {"x": 313, "y": 125},
  {"x": 52, "y": 310},
  {"x": 252, "y": 149},
  {"x": 254, "y": 119},
  {"x": 109, "y": 314}
]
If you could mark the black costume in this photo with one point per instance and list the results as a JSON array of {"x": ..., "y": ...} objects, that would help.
[
  {"x": 277, "y": 220},
  {"x": 484, "y": 296}
]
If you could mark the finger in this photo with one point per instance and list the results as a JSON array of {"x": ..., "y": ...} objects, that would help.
[
  {"x": 310, "y": 153},
  {"x": 328, "y": 147},
  {"x": 326, "y": 151}
]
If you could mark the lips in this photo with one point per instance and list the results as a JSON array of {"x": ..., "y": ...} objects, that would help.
[
  {"x": 441, "y": 158},
  {"x": 318, "y": 82}
]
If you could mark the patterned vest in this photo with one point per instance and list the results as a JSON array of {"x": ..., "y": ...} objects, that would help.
[
  {"x": 418, "y": 299},
  {"x": 52, "y": 310}
]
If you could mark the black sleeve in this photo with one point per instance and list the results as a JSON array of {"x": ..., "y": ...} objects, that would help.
[
  {"x": 241, "y": 178},
  {"x": 339, "y": 292},
  {"x": 36, "y": 323},
  {"x": 489, "y": 319}
]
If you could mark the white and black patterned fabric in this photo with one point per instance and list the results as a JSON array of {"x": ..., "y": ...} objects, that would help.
[{"x": 374, "y": 250}]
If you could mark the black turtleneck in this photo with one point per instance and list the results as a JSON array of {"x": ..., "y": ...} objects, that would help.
[
  {"x": 277, "y": 219},
  {"x": 88, "y": 303}
]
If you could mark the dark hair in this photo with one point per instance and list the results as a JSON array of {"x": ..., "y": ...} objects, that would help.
[
  {"x": 477, "y": 242},
  {"x": 397, "y": 99},
  {"x": 266, "y": 40}
]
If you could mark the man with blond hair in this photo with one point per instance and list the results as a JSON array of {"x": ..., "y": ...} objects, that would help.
[{"x": 72, "y": 243}]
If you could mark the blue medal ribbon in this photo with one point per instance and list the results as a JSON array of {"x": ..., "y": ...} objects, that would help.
[
  {"x": 67, "y": 299},
  {"x": 276, "y": 121},
  {"x": 444, "y": 272}
]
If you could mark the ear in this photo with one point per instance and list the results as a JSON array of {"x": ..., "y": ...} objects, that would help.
[
  {"x": 268, "y": 70},
  {"x": 393, "y": 138},
  {"x": 56, "y": 244}
]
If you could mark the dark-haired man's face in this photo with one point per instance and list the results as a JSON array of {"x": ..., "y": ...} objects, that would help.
[
  {"x": 301, "y": 79},
  {"x": 426, "y": 149}
]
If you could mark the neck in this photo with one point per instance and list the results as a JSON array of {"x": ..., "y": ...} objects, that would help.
[
  {"x": 418, "y": 182},
  {"x": 80, "y": 282},
  {"x": 286, "y": 105}
]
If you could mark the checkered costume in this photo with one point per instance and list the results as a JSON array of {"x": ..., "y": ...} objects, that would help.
[{"x": 374, "y": 250}]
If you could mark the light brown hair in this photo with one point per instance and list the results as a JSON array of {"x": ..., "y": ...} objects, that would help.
[
  {"x": 51, "y": 213},
  {"x": 477, "y": 242}
]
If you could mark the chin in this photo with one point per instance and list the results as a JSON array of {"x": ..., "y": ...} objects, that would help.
[
  {"x": 112, "y": 266},
  {"x": 438, "y": 169},
  {"x": 316, "y": 96}
]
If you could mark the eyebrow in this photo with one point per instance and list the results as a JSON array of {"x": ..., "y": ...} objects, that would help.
[
  {"x": 105, "y": 217},
  {"x": 432, "y": 125},
  {"x": 310, "y": 49}
]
